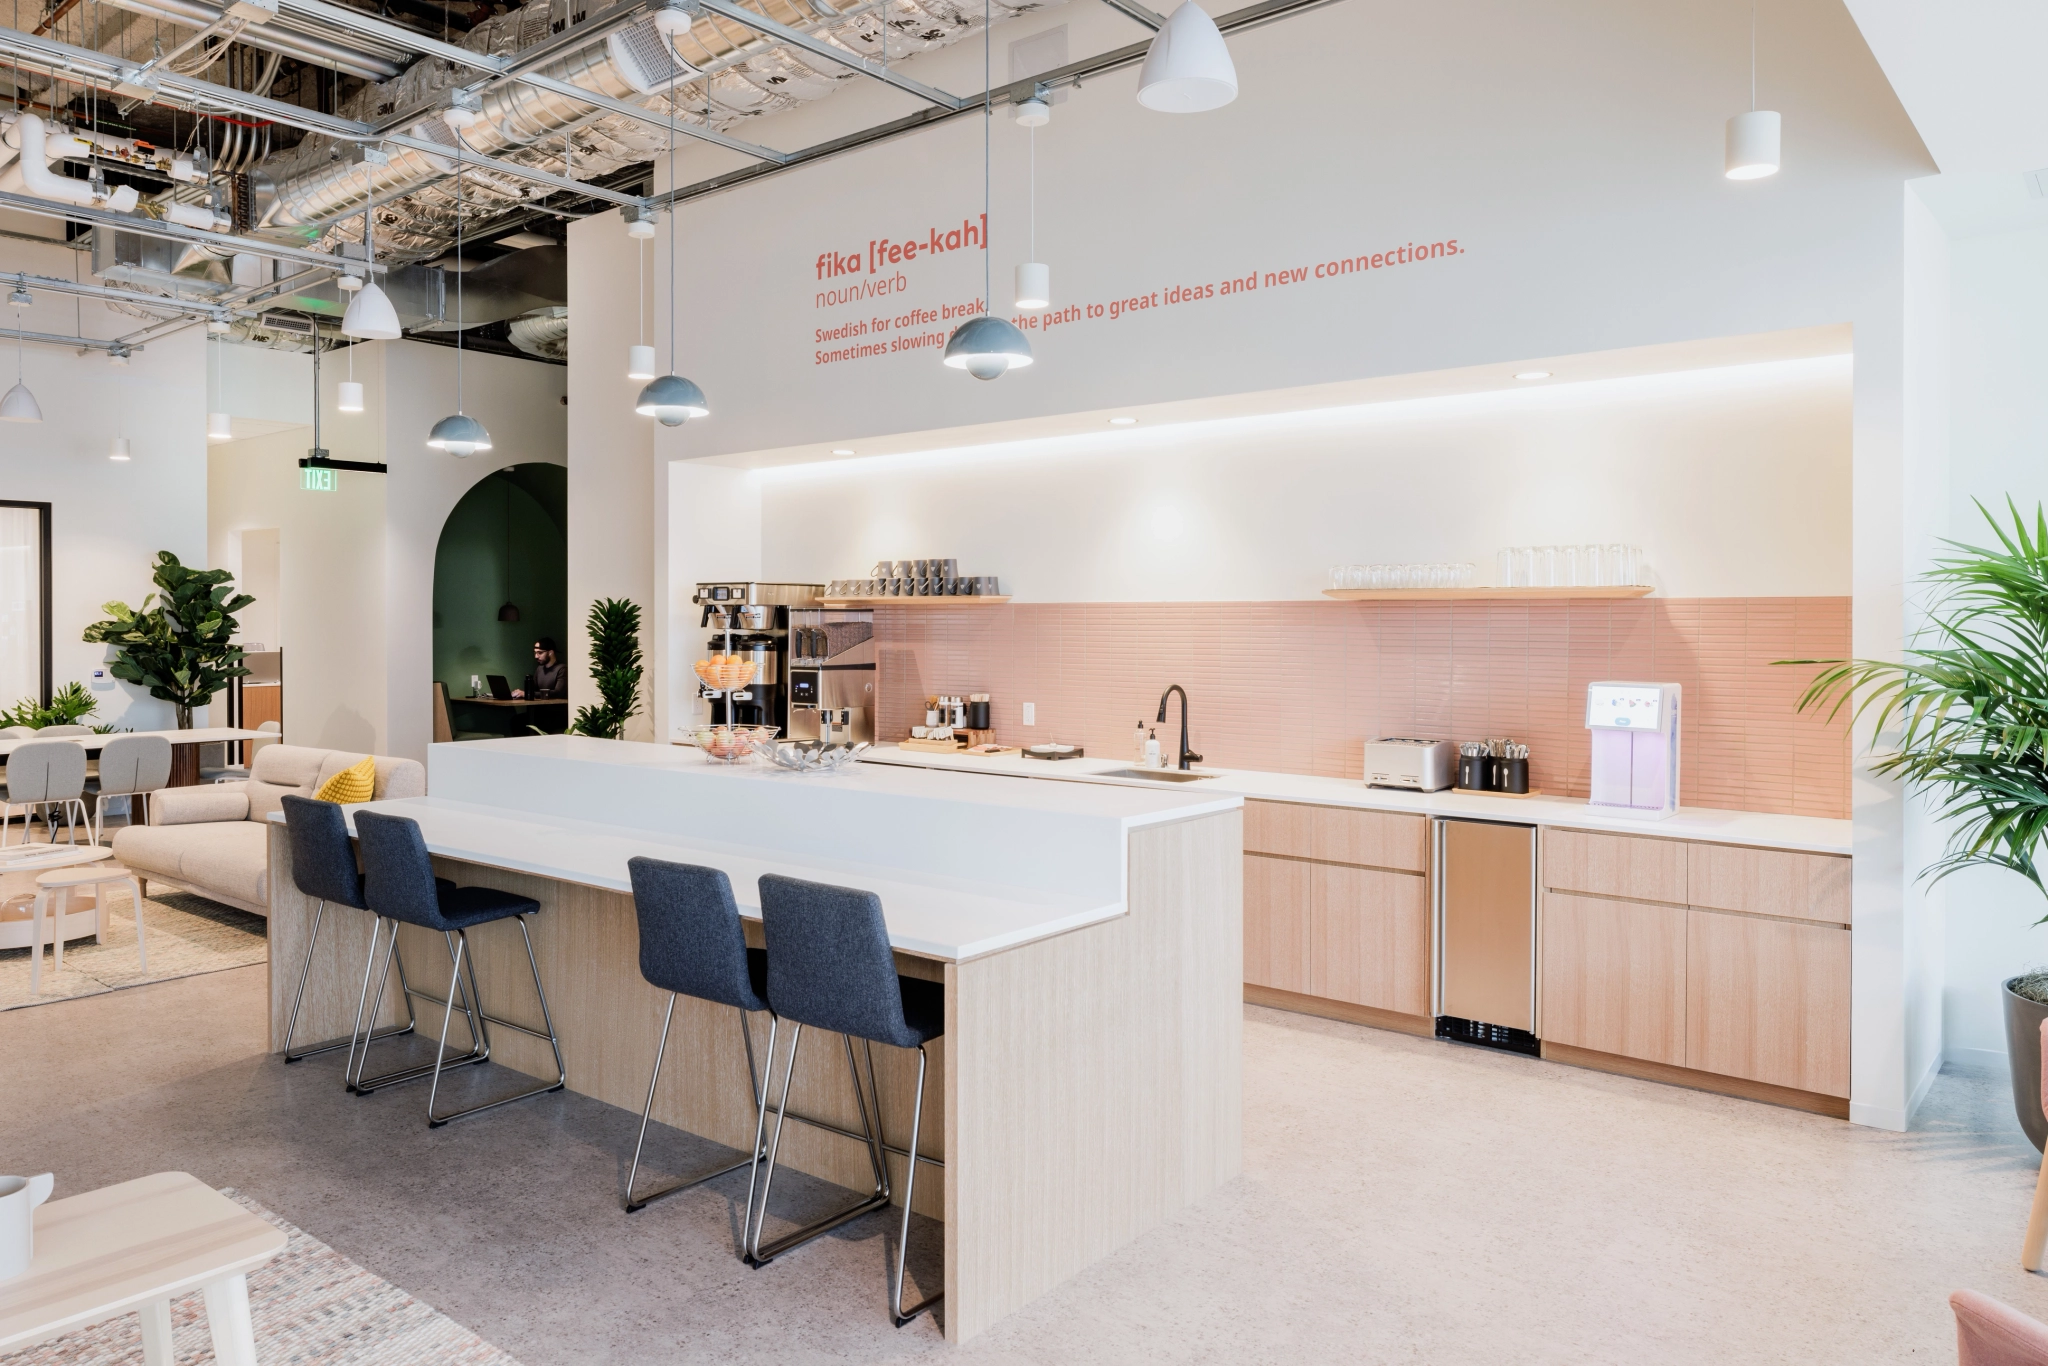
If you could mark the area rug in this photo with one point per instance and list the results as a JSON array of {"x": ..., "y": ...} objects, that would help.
[
  {"x": 188, "y": 935},
  {"x": 311, "y": 1307}
]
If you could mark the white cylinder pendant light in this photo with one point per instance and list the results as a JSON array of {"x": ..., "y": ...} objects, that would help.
[
  {"x": 351, "y": 397},
  {"x": 1188, "y": 68},
  {"x": 119, "y": 451},
  {"x": 1034, "y": 285},
  {"x": 639, "y": 362},
  {"x": 1753, "y": 145},
  {"x": 220, "y": 427},
  {"x": 1753, "y": 136}
]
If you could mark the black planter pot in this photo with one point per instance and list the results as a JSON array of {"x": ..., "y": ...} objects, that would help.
[{"x": 2023, "y": 1050}]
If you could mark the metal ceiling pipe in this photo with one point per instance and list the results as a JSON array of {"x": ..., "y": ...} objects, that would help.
[{"x": 272, "y": 37}]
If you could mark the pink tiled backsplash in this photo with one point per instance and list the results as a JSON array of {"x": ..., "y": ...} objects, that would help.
[{"x": 1298, "y": 687}]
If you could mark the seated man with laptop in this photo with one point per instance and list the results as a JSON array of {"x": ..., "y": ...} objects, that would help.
[{"x": 549, "y": 679}]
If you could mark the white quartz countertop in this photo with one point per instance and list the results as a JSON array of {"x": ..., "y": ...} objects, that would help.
[
  {"x": 929, "y": 916},
  {"x": 1810, "y": 834}
]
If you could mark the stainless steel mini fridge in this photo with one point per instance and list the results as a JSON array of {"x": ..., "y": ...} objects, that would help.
[{"x": 1485, "y": 933}]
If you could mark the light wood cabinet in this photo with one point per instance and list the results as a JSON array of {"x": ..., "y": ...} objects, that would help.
[
  {"x": 1614, "y": 977},
  {"x": 1370, "y": 944},
  {"x": 1278, "y": 923},
  {"x": 1768, "y": 1000},
  {"x": 1337, "y": 834},
  {"x": 1639, "y": 867},
  {"x": 1731, "y": 877}
]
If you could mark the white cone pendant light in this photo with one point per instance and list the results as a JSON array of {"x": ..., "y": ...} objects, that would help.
[
  {"x": 1188, "y": 68},
  {"x": 669, "y": 399},
  {"x": 20, "y": 405},
  {"x": 370, "y": 316},
  {"x": 1753, "y": 136},
  {"x": 986, "y": 347}
]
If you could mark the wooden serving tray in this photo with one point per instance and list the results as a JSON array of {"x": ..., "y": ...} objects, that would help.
[{"x": 953, "y": 746}]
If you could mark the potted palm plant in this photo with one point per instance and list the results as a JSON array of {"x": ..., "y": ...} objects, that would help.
[
  {"x": 615, "y": 666},
  {"x": 1970, "y": 705}
]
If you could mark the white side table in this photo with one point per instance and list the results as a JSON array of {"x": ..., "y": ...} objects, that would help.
[{"x": 135, "y": 1247}]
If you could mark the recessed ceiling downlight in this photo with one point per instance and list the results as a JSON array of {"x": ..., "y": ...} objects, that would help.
[
  {"x": 1123, "y": 422},
  {"x": 842, "y": 450},
  {"x": 1532, "y": 374}
]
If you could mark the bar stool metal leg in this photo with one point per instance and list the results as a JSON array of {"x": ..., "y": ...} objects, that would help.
[
  {"x": 479, "y": 1042},
  {"x": 757, "y": 1255},
  {"x": 896, "y": 1311},
  {"x": 305, "y": 968},
  {"x": 472, "y": 999},
  {"x": 635, "y": 1205}
]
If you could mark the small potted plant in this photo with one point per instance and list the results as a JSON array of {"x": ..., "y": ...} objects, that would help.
[{"x": 1970, "y": 705}]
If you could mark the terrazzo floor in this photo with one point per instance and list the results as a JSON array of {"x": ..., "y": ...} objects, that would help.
[{"x": 1403, "y": 1201}]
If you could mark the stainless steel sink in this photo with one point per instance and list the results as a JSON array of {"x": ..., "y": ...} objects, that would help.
[{"x": 1156, "y": 775}]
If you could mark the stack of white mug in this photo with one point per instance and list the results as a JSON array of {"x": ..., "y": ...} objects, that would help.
[{"x": 1570, "y": 566}]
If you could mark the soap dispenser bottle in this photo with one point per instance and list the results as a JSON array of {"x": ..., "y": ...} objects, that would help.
[
  {"x": 1138, "y": 745},
  {"x": 1152, "y": 749}
]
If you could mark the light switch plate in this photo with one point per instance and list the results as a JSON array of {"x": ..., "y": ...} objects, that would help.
[{"x": 1030, "y": 713}]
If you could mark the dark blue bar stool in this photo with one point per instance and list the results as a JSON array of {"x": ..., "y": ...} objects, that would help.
[
  {"x": 830, "y": 967},
  {"x": 691, "y": 944},
  {"x": 399, "y": 885},
  {"x": 324, "y": 868}
]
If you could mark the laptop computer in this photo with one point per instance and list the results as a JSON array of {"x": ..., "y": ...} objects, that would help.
[{"x": 500, "y": 689}]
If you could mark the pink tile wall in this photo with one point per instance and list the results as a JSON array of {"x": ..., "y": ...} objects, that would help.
[{"x": 1300, "y": 686}]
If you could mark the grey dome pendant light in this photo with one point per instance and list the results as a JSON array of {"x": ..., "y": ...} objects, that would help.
[
  {"x": 670, "y": 399},
  {"x": 459, "y": 434},
  {"x": 19, "y": 405},
  {"x": 510, "y": 611},
  {"x": 987, "y": 347}
]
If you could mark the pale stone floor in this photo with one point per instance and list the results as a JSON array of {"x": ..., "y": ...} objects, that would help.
[{"x": 1403, "y": 1201}]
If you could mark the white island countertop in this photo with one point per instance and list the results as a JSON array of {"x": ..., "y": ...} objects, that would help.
[
  {"x": 964, "y": 867},
  {"x": 1811, "y": 834}
]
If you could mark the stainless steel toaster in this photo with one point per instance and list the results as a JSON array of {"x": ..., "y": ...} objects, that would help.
[{"x": 1416, "y": 765}]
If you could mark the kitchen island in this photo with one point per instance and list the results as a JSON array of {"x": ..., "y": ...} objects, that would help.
[{"x": 1089, "y": 938}]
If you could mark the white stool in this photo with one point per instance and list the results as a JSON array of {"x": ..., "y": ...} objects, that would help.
[{"x": 61, "y": 881}]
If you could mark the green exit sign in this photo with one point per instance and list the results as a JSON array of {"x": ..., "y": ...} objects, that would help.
[{"x": 317, "y": 480}]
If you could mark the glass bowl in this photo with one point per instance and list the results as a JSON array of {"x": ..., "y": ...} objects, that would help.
[{"x": 813, "y": 758}]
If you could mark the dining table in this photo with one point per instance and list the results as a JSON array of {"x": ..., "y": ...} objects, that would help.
[{"x": 184, "y": 745}]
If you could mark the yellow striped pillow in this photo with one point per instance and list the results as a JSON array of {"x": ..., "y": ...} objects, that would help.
[{"x": 357, "y": 784}]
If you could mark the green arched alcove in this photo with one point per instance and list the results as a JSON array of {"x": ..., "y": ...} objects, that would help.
[{"x": 507, "y": 540}]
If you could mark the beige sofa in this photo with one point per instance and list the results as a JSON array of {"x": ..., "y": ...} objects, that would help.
[{"x": 211, "y": 839}]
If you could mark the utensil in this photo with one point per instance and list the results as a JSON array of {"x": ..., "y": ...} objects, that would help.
[{"x": 812, "y": 758}]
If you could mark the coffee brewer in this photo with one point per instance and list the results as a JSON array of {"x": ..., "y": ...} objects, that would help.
[
  {"x": 751, "y": 620},
  {"x": 831, "y": 676}
]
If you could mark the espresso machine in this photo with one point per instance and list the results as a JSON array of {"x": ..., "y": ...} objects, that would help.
[
  {"x": 751, "y": 620},
  {"x": 831, "y": 676}
]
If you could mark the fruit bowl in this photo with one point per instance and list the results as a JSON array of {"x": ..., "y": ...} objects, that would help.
[
  {"x": 813, "y": 757},
  {"x": 723, "y": 673},
  {"x": 731, "y": 744}
]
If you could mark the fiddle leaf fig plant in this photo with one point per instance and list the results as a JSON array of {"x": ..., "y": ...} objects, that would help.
[
  {"x": 1969, "y": 700},
  {"x": 182, "y": 649},
  {"x": 615, "y": 666}
]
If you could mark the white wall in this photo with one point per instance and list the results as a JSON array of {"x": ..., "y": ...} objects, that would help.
[
  {"x": 715, "y": 521},
  {"x": 107, "y": 520},
  {"x": 1998, "y": 433},
  {"x": 1735, "y": 482}
]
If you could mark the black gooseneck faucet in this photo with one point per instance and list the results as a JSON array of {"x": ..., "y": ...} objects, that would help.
[{"x": 1187, "y": 756}]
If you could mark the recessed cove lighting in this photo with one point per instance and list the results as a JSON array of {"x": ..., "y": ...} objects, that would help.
[
  {"x": 842, "y": 450},
  {"x": 1123, "y": 422},
  {"x": 1532, "y": 374}
]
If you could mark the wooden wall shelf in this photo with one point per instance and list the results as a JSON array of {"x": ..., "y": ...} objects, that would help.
[
  {"x": 1482, "y": 594},
  {"x": 987, "y": 600}
]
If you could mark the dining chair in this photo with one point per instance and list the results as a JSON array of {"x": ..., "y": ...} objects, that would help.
[{"x": 45, "y": 773}]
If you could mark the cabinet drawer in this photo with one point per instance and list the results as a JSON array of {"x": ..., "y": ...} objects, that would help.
[
  {"x": 1768, "y": 1000},
  {"x": 1336, "y": 834},
  {"x": 1277, "y": 931},
  {"x": 1614, "y": 977},
  {"x": 1728, "y": 877},
  {"x": 1614, "y": 865},
  {"x": 1370, "y": 942}
]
